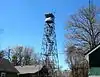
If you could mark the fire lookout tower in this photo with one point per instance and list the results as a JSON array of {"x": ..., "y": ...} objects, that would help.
[{"x": 49, "y": 45}]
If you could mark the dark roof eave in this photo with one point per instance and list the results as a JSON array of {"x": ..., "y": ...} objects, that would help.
[{"x": 89, "y": 52}]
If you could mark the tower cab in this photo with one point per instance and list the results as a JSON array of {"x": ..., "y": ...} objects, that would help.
[{"x": 49, "y": 18}]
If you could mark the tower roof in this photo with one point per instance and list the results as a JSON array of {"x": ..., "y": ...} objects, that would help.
[{"x": 49, "y": 15}]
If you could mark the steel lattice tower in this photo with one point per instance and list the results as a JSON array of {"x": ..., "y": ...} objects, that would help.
[{"x": 49, "y": 45}]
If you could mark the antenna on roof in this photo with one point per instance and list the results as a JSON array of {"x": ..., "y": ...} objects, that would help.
[
  {"x": 54, "y": 11},
  {"x": 90, "y": 3}
]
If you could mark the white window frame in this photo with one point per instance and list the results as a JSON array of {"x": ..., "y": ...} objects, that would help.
[{"x": 3, "y": 74}]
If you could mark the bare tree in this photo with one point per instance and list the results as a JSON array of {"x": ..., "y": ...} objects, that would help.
[
  {"x": 84, "y": 28},
  {"x": 23, "y": 56},
  {"x": 77, "y": 62},
  {"x": 1, "y": 54}
]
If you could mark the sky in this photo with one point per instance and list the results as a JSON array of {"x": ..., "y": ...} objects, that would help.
[{"x": 22, "y": 22}]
